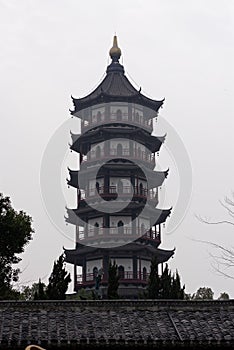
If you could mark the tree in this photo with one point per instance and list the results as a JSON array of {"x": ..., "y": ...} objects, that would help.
[
  {"x": 223, "y": 296},
  {"x": 224, "y": 261},
  {"x": 40, "y": 292},
  {"x": 203, "y": 293},
  {"x": 166, "y": 286},
  {"x": 177, "y": 292},
  {"x": 58, "y": 281},
  {"x": 15, "y": 233},
  {"x": 113, "y": 281},
  {"x": 154, "y": 280}
]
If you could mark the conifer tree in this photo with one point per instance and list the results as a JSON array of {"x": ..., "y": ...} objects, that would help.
[
  {"x": 166, "y": 286},
  {"x": 113, "y": 281},
  {"x": 40, "y": 291},
  {"x": 154, "y": 281},
  {"x": 58, "y": 281}
]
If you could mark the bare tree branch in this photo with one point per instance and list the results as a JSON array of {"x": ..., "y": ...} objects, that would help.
[{"x": 206, "y": 221}]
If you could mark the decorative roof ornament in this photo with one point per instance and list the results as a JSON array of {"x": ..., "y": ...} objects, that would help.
[{"x": 115, "y": 51}]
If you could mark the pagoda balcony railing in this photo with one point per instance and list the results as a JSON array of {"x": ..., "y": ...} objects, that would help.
[
  {"x": 126, "y": 152},
  {"x": 124, "y": 191},
  {"x": 124, "y": 276},
  {"x": 119, "y": 232},
  {"x": 147, "y": 124}
]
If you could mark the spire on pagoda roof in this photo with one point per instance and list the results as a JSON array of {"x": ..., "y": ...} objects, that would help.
[
  {"x": 115, "y": 51},
  {"x": 115, "y": 87}
]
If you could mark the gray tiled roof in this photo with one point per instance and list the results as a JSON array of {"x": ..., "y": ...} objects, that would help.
[{"x": 123, "y": 323}]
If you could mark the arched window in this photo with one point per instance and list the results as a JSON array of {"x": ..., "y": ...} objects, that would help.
[
  {"x": 144, "y": 273},
  {"x": 97, "y": 187},
  {"x": 139, "y": 152},
  {"x": 119, "y": 149},
  {"x": 119, "y": 114},
  {"x": 120, "y": 227},
  {"x": 142, "y": 229},
  {"x": 99, "y": 116},
  {"x": 120, "y": 187},
  {"x": 137, "y": 117},
  {"x": 98, "y": 152},
  {"x": 121, "y": 271},
  {"x": 141, "y": 189},
  {"x": 95, "y": 272},
  {"x": 96, "y": 228}
]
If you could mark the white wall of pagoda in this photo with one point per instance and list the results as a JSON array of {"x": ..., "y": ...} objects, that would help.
[
  {"x": 91, "y": 264},
  {"x": 127, "y": 263},
  {"x": 143, "y": 263},
  {"x": 92, "y": 185}
]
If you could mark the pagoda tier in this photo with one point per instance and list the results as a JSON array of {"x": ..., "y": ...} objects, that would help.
[
  {"x": 82, "y": 143},
  {"x": 132, "y": 281},
  {"x": 134, "y": 172},
  {"x": 82, "y": 251},
  {"x": 114, "y": 88},
  {"x": 83, "y": 214}
]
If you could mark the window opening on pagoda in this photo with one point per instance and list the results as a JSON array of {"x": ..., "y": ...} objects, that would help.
[
  {"x": 120, "y": 187},
  {"x": 141, "y": 189},
  {"x": 95, "y": 272},
  {"x": 144, "y": 273},
  {"x": 120, "y": 227},
  {"x": 137, "y": 117},
  {"x": 119, "y": 114},
  {"x": 119, "y": 149},
  {"x": 96, "y": 228},
  {"x": 139, "y": 152},
  {"x": 121, "y": 271},
  {"x": 97, "y": 187},
  {"x": 98, "y": 152},
  {"x": 99, "y": 116},
  {"x": 142, "y": 228}
]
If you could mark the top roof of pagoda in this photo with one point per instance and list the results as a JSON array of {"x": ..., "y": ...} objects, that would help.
[{"x": 115, "y": 87}]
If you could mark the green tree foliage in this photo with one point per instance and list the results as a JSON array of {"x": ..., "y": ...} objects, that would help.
[
  {"x": 15, "y": 233},
  {"x": 113, "y": 281},
  {"x": 166, "y": 286},
  {"x": 40, "y": 292},
  {"x": 154, "y": 281},
  {"x": 58, "y": 281},
  {"x": 203, "y": 293},
  {"x": 223, "y": 296},
  {"x": 35, "y": 292}
]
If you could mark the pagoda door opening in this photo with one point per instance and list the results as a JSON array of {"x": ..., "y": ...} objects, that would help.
[
  {"x": 119, "y": 150},
  {"x": 119, "y": 115},
  {"x": 141, "y": 189},
  {"x": 144, "y": 273},
  {"x": 121, "y": 271},
  {"x": 99, "y": 117},
  {"x": 95, "y": 272},
  {"x": 120, "y": 227},
  {"x": 96, "y": 228},
  {"x": 120, "y": 187},
  {"x": 97, "y": 187},
  {"x": 98, "y": 152},
  {"x": 142, "y": 229}
]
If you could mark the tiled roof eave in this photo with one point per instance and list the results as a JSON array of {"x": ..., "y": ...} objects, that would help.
[{"x": 138, "y": 98}]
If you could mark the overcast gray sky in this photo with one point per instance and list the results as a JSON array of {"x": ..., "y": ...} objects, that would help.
[{"x": 181, "y": 50}]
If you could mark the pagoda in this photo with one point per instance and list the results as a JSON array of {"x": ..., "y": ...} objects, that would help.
[{"x": 117, "y": 218}]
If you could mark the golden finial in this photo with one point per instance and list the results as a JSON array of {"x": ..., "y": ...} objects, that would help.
[{"x": 115, "y": 51}]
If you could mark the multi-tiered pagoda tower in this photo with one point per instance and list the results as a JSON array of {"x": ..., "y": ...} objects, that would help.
[{"x": 116, "y": 218}]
